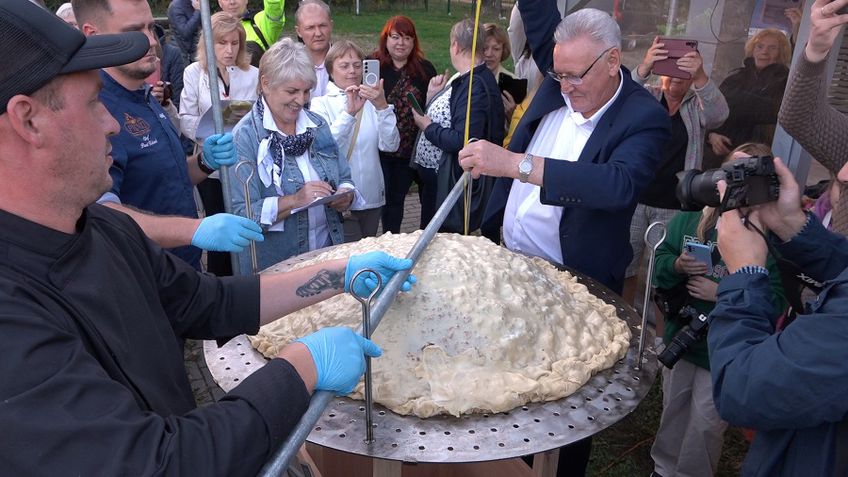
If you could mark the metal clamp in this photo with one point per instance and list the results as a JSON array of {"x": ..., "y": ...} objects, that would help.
[
  {"x": 366, "y": 333},
  {"x": 248, "y": 210},
  {"x": 646, "y": 303}
]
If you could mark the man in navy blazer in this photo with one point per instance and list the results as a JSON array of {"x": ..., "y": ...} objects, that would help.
[{"x": 606, "y": 133}]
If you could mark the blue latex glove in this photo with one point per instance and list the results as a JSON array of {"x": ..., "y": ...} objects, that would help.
[
  {"x": 219, "y": 150},
  {"x": 339, "y": 358},
  {"x": 381, "y": 262},
  {"x": 226, "y": 233}
]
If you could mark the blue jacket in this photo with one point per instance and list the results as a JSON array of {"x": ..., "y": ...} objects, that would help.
[
  {"x": 149, "y": 169},
  {"x": 790, "y": 386},
  {"x": 185, "y": 23},
  {"x": 600, "y": 190},
  {"x": 294, "y": 240}
]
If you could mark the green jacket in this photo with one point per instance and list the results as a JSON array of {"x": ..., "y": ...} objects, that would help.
[
  {"x": 269, "y": 21},
  {"x": 683, "y": 228}
]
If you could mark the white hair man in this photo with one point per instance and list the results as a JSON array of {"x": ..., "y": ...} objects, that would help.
[{"x": 585, "y": 149}]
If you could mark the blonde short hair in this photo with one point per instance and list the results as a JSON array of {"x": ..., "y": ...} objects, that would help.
[{"x": 339, "y": 49}]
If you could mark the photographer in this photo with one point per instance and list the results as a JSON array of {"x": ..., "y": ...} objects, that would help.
[
  {"x": 690, "y": 435},
  {"x": 791, "y": 385}
]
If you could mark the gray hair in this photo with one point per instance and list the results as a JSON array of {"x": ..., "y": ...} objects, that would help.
[
  {"x": 63, "y": 10},
  {"x": 286, "y": 60},
  {"x": 592, "y": 23},
  {"x": 305, "y": 3},
  {"x": 463, "y": 34}
]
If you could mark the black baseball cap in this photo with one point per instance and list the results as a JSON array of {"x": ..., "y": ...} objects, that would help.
[{"x": 37, "y": 46}]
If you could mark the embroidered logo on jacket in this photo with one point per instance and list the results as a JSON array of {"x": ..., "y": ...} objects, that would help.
[{"x": 136, "y": 126}]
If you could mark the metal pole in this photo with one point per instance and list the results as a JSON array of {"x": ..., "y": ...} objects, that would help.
[
  {"x": 217, "y": 116},
  {"x": 279, "y": 462},
  {"x": 647, "y": 303},
  {"x": 669, "y": 23}
]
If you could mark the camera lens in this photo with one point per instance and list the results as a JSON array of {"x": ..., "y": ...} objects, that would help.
[{"x": 695, "y": 189}]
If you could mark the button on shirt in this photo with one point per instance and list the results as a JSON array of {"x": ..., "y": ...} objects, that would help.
[{"x": 530, "y": 227}]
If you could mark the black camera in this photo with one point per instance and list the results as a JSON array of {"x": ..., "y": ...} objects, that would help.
[
  {"x": 750, "y": 181},
  {"x": 686, "y": 337}
]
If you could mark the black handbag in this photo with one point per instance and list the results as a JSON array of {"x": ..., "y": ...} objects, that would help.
[{"x": 481, "y": 189}]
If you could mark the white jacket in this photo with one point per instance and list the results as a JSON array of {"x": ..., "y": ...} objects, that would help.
[
  {"x": 195, "y": 99},
  {"x": 377, "y": 132}
]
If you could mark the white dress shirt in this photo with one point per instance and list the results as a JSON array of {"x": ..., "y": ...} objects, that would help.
[
  {"x": 323, "y": 77},
  {"x": 531, "y": 227}
]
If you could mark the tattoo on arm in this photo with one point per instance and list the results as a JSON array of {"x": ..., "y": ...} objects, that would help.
[{"x": 323, "y": 280}]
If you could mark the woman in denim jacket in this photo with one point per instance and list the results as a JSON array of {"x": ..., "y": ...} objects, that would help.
[{"x": 294, "y": 160}]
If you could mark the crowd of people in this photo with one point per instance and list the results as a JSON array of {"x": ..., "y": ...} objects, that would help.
[{"x": 104, "y": 278}]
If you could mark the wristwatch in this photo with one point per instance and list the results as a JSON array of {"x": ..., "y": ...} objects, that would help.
[{"x": 525, "y": 167}]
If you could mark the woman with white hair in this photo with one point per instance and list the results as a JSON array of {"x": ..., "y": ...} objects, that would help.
[
  {"x": 363, "y": 124},
  {"x": 295, "y": 163}
]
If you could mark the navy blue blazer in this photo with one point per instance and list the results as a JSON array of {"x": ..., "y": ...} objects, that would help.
[{"x": 600, "y": 190}]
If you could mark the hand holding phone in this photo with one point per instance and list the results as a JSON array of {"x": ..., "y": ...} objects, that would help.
[
  {"x": 701, "y": 253},
  {"x": 676, "y": 48},
  {"x": 371, "y": 73},
  {"x": 414, "y": 103}
]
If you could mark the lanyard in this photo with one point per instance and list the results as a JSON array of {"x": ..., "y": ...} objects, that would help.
[{"x": 223, "y": 82}]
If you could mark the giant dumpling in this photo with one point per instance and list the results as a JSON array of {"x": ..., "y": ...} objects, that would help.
[{"x": 484, "y": 329}]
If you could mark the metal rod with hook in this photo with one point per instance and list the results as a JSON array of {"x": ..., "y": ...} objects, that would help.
[
  {"x": 366, "y": 333},
  {"x": 647, "y": 301},
  {"x": 248, "y": 210},
  {"x": 279, "y": 461}
]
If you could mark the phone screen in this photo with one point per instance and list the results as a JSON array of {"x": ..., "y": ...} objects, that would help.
[{"x": 414, "y": 102}]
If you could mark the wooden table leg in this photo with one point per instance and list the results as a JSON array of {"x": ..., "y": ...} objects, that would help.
[
  {"x": 545, "y": 463},
  {"x": 387, "y": 468}
]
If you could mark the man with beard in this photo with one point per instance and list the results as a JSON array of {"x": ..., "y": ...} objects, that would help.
[{"x": 150, "y": 172}]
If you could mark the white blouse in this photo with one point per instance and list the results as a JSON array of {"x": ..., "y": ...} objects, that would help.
[{"x": 196, "y": 100}]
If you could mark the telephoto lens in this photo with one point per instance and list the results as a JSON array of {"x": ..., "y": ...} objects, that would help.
[
  {"x": 686, "y": 337},
  {"x": 750, "y": 181}
]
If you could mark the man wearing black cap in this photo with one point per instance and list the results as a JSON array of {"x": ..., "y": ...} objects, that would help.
[
  {"x": 151, "y": 172},
  {"x": 92, "y": 310}
]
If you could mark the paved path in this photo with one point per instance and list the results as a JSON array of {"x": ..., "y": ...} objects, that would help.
[{"x": 205, "y": 389}]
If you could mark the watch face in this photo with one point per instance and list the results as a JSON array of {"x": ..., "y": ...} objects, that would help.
[{"x": 525, "y": 166}]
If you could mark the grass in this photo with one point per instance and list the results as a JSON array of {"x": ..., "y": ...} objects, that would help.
[{"x": 432, "y": 25}]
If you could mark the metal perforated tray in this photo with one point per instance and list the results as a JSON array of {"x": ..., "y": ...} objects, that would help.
[{"x": 605, "y": 399}]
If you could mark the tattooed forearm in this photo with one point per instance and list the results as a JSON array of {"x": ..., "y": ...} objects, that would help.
[{"x": 323, "y": 280}]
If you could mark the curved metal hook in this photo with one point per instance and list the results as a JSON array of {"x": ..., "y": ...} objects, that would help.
[{"x": 647, "y": 302}]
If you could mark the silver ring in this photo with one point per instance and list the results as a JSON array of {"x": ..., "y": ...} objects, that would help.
[{"x": 314, "y": 194}]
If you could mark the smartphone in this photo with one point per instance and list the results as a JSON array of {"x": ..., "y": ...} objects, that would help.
[
  {"x": 371, "y": 73},
  {"x": 414, "y": 102},
  {"x": 702, "y": 253},
  {"x": 677, "y": 48},
  {"x": 517, "y": 87}
]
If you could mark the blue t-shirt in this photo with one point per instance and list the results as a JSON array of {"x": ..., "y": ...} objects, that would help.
[{"x": 149, "y": 171}]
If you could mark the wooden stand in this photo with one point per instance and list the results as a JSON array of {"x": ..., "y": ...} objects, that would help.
[{"x": 333, "y": 463}]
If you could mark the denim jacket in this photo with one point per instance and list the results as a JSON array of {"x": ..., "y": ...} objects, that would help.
[{"x": 294, "y": 239}]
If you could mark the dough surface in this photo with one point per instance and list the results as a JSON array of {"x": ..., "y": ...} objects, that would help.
[{"x": 483, "y": 330}]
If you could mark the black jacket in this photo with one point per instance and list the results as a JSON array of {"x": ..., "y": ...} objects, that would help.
[{"x": 92, "y": 380}]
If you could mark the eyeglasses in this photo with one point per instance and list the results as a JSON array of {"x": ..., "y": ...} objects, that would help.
[{"x": 576, "y": 80}]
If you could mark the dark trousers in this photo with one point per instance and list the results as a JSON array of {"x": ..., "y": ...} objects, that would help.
[
  {"x": 212, "y": 196},
  {"x": 427, "y": 187},
  {"x": 573, "y": 458},
  {"x": 398, "y": 176}
]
